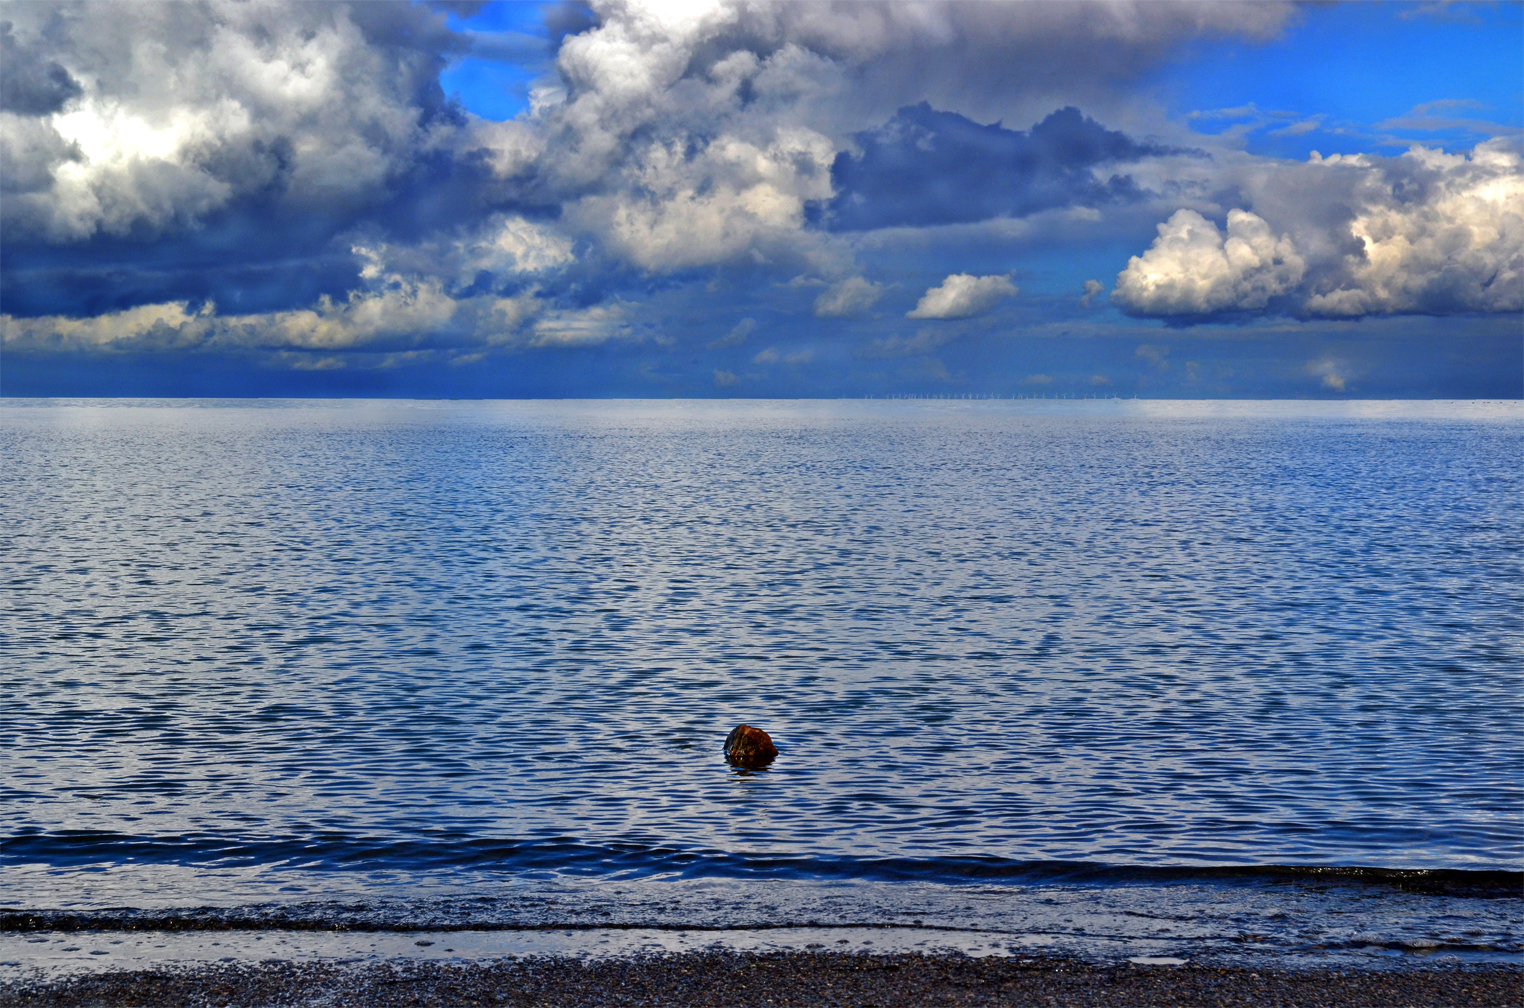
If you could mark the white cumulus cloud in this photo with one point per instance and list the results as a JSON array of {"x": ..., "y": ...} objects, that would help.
[
  {"x": 1193, "y": 269},
  {"x": 962, "y": 295},
  {"x": 1460, "y": 247},
  {"x": 1345, "y": 236},
  {"x": 734, "y": 201}
]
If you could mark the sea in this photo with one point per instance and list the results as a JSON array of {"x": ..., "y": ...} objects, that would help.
[{"x": 1112, "y": 678}]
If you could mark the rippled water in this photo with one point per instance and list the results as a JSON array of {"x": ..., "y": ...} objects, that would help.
[{"x": 297, "y": 638}]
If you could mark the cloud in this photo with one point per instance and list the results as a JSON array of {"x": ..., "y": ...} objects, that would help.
[
  {"x": 235, "y": 152},
  {"x": 733, "y": 201},
  {"x": 1446, "y": 105},
  {"x": 584, "y": 327},
  {"x": 1441, "y": 233},
  {"x": 962, "y": 295},
  {"x": 306, "y": 362},
  {"x": 1154, "y": 354},
  {"x": 723, "y": 378},
  {"x": 772, "y": 356},
  {"x": 1440, "y": 10},
  {"x": 928, "y": 167},
  {"x": 397, "y": 314},
  {"x": 1236, "y": 112},
  {"x": 290, "y": 182},
  {"x": 163, "y": 326},
  {"x": 232, "y": 152},
  {"x": 432, "y": 295},
  {"x": 511, "y": 245},
  {"x": 1191, "y": 269},
  {"x": 497, "y": 249},
  {"x": 1301, "y": 127},
  {"x": 31, "y": 152},
  {"x": 685, "y": 136},
  {"x": 31, "y": 84},
  {"x": 1331, "y": 374},
  {"x": 1346, "y": 236},
  {"x": 736, "y": 336},
  {"x": 848, "y": 297},
  {"x": 310, "y": 107}
]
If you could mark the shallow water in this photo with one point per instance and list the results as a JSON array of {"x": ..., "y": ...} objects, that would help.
[{"x": 253, "y": 651}]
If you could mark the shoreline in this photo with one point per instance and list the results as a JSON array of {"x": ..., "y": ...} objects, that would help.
[
  {"x": 56, "y": 954},
  {"x": 742, "y": 979}
]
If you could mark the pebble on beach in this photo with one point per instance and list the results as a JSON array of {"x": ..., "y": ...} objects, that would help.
[
  {"x": 772, "y": 980},
  {"x": 749, "y": 747}
]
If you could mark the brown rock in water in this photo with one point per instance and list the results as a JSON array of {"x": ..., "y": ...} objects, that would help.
[{"x": 749, "y": 747}]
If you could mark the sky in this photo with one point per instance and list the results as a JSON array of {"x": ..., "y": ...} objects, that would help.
[{"x": 747, "y": 199}]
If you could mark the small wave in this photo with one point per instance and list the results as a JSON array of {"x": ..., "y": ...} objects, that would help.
[{"x": 563, "y": 857}]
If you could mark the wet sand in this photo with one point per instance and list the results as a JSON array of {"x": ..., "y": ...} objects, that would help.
[{"x": 746, "y": 979}]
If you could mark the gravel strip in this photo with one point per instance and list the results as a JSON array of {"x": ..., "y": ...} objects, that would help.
[{"x": 773, "y": 979}]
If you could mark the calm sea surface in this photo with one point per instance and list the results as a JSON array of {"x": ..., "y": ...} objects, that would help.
[{"x": 299, "y": 642}]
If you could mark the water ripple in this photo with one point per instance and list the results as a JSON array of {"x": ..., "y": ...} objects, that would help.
[{"x": 1098, "y": 633}]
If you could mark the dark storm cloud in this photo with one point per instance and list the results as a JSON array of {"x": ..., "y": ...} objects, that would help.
[
  {"x": 266, "y": 271},
  {"x": 928, "y": 167},
  {"x": 262, "y": 252},
  {"x": 30, "y": 83}
]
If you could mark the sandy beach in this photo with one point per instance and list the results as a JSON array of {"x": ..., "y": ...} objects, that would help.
[{"x": 742, "y": 979}]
